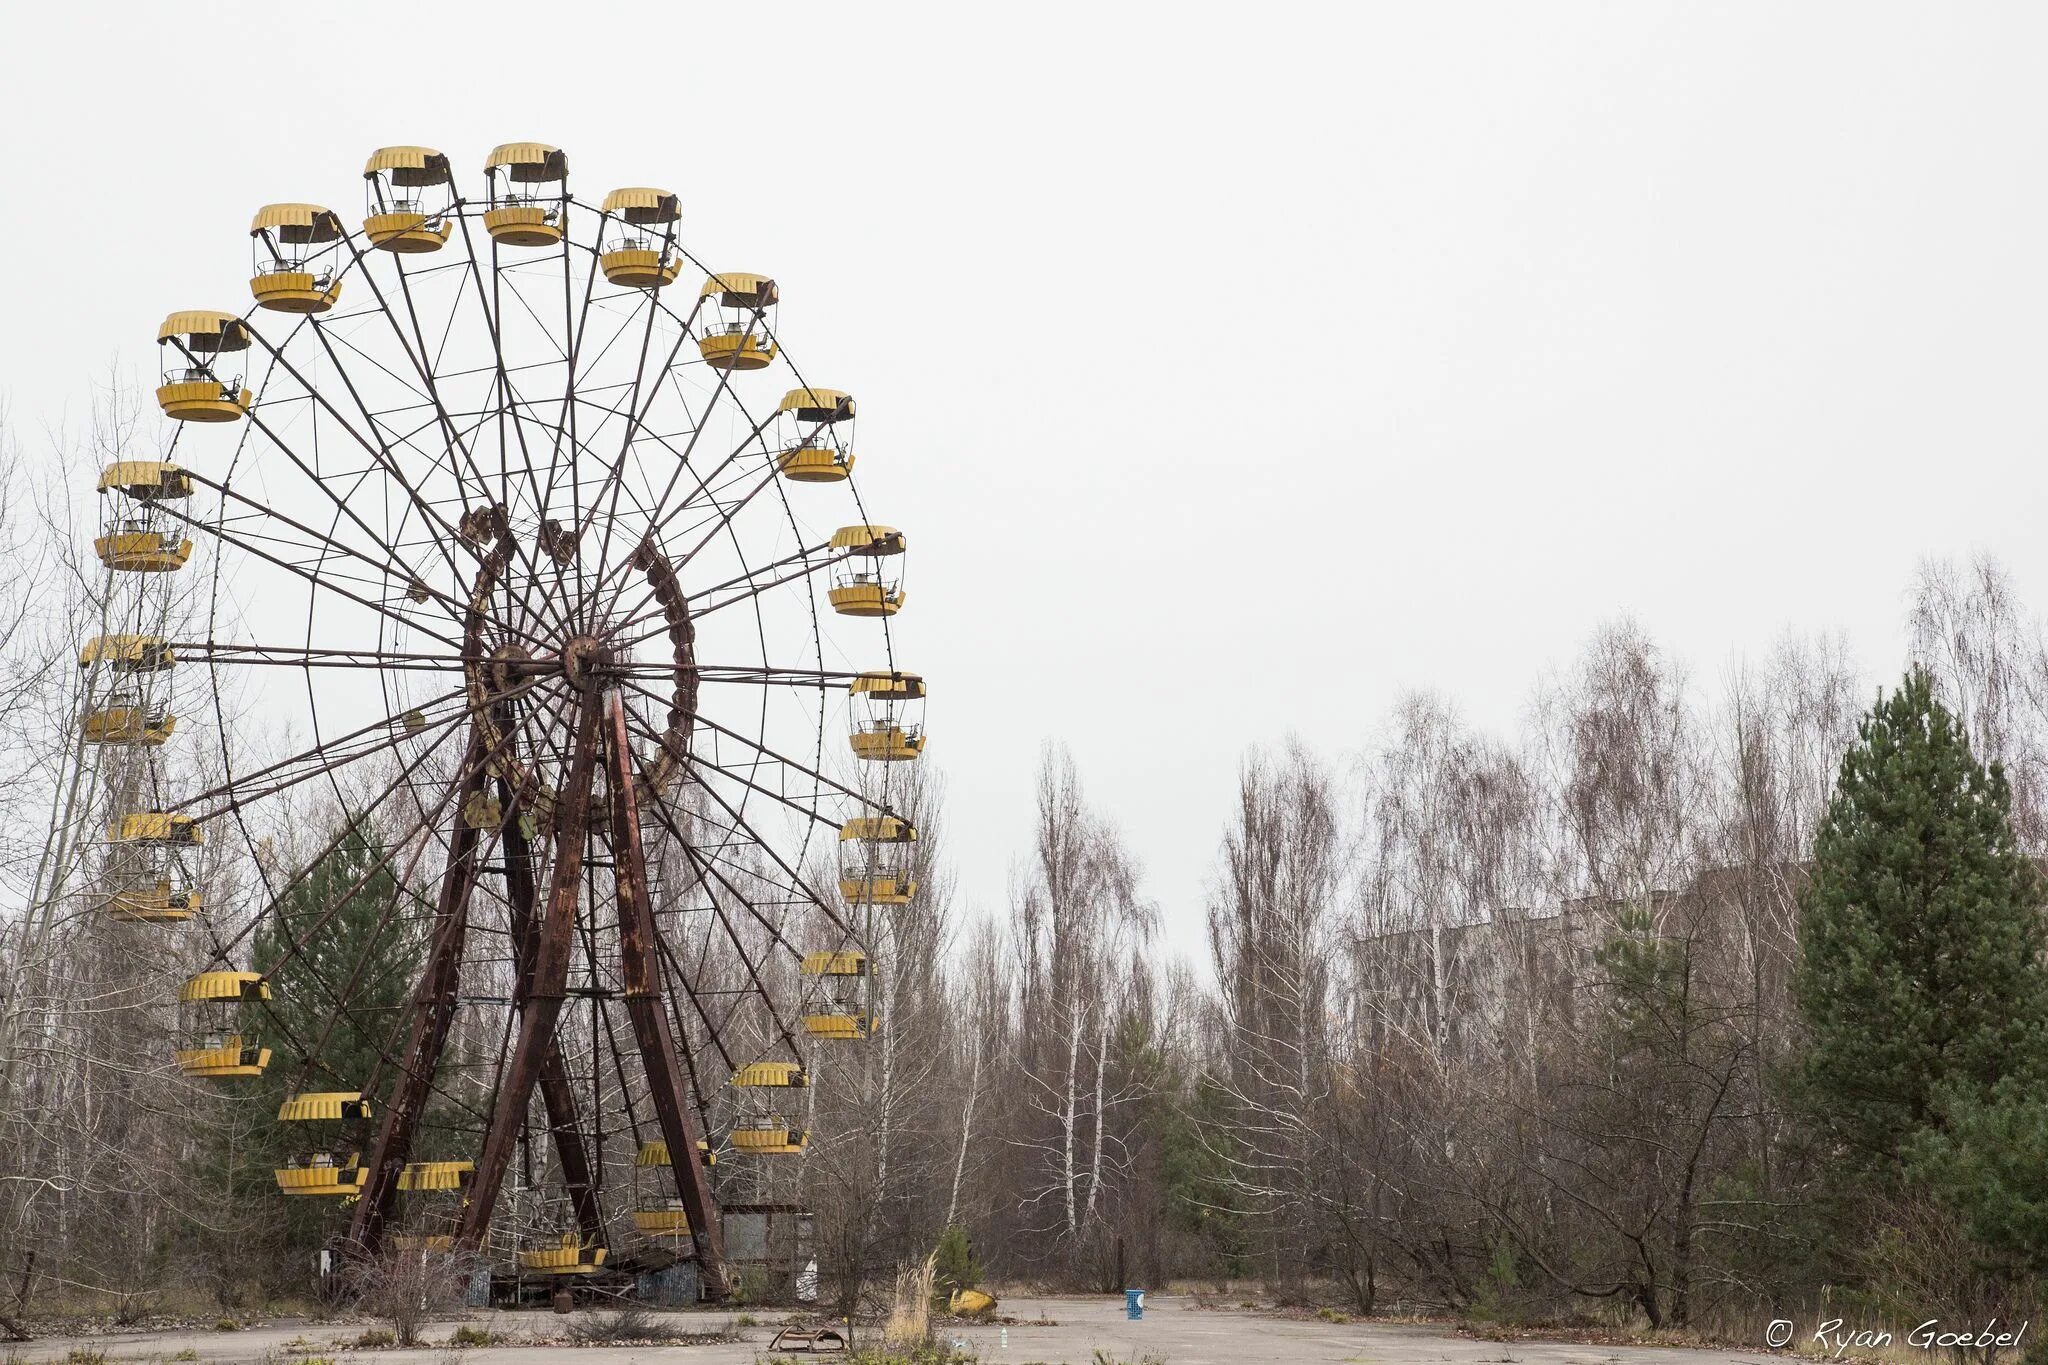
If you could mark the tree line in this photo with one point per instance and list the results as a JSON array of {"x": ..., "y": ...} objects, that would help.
[{"x": 1683, "y": 1004}]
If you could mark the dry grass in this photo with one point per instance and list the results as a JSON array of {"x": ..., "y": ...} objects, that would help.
[{"x": 910, "y": 1308}]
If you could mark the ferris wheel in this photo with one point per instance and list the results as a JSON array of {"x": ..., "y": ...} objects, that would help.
[{"x": 523, "y": 542}]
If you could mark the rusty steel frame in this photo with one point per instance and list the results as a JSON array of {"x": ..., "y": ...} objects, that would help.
[
  {"x": 553, "y": 939},
  {"x": 660, "y": 1056},
  {"x": 543, "y": 948}
]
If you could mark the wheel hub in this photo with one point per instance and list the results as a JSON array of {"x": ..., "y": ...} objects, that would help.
[{"x": 584, "y": 659}]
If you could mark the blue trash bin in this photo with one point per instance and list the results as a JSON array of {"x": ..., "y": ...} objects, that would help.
[{"x": 1134, "y": 1304}]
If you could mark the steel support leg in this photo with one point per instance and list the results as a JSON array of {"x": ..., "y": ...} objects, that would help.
[
  {"x": 658, "y": 1045},
  {"x": 555, "y": 935},
  {"x": 433, "y": 1010}
]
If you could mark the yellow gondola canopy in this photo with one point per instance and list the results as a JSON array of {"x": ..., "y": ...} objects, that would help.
[
  {"x": 155, "y": 827},
  {"x": 237, "y": 986},
  {"x": 298, "y": 224},
  {"x": 435, "y": 1175},
  {"x": 528, "y": 163},
  {"x": 841, "y": 963},
  {"x": 227, "y": 1056},
  {"x": 739, "y": 289},
  {"x": 869, "y": 540},
  {"x": 886, "y": 829},
  {"x": 146, "y": 480},
  {"x": 771, "y": 1074},
  {"x": 412, "y": 166},
  {"x": 818, "y": 405},
  {"x": 642, "y": 205},
  {"x": 138, "y": 651},
  {"x": 203, "y": 329},
  {"x": 884, "y": 685},
  {"x": 162, "y": 903},
  {"x": 655, "y": 1153},
  {"x": 323, "y": 1104}
]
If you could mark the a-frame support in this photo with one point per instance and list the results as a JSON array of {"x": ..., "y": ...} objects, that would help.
[
  {"x": 543, "y": 943},
  {"x": 554, "y": 937},
  {"x": 433, "y": 1011},
  {"x": 641, "y": 969}
]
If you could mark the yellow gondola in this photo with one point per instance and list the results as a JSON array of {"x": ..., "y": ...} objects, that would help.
[
  {"x": 519, "y": 213},
  {"x": 838, "y": 1018},
  {"x": 163, "y": 903},
  {"x": 406, "y": 189},
  {"x": 823, "y": 454},
  {"x": 665, "y": 1220},
  {"x": 888, "y": 716},
  {"x": 133, "y": 548},
  {"x": 740, "y": 335},
  {"x": 655, "y": 1153},
  {"x": 768, "y": 1136},
  {"x": 189, "y": 344},
  {"x": 867, "y": 591},
  {"x": 126, "y": 721},
  {"x": 333, "y": 1174},
  {"x": 223, "y": 1056},
  {"x": 877, "y": 860},
  {"x": 640, "y": 258},
  {"x": 284, "y": 240},
  {"x": 570, "y": 1257},
  {"x": 833, "y": 1021}
]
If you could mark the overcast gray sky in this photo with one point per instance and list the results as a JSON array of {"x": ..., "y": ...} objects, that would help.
[{"x": 1232, "y": 369}]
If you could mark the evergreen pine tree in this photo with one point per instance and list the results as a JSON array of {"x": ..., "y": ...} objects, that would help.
[
  {"x": 348, "y": 981},
  {"x": 1919, "y": 977},
  {"x": 361, "y": 961}
]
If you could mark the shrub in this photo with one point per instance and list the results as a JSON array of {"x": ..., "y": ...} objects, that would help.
[
  {"x": 953, "y": 1264},
  {"x": 918, "y": 1355},
  {"x": 376, "y": 1337},
  {"x": 408, "y": 1288},
  {"x": 631, "y": 1323},
  {"x": 467, "y": 1335}
]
